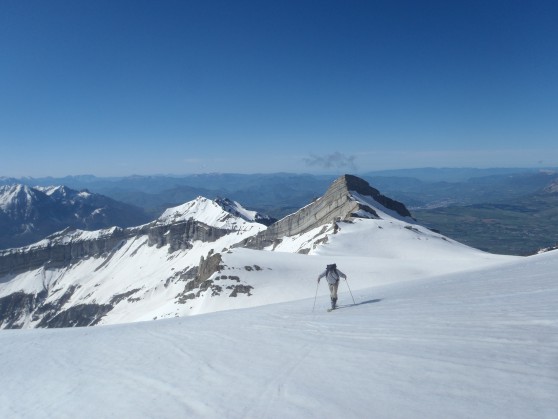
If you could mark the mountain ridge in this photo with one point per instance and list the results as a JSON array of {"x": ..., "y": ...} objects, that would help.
[
  {"x": 336, "y": 204},
  {"x": 195, "y": 259},
  {"x": 425, "y": 193}
]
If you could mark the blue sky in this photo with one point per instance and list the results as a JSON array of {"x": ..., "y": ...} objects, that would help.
[{"x": 175, "y": 87}]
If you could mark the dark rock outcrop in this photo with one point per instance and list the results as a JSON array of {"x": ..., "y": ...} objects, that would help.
[
  {"x": 180, "y": 235},
  {"x": 16, "y": 307},
  {"x": 77, "y": 316},
  {"x": 207, "y": 267}
]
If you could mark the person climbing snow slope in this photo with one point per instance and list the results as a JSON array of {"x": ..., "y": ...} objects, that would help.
[{"x": 332, "y": 275}]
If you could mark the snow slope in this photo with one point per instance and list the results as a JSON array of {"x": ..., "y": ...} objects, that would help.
[{"x": 473, "y": 344}]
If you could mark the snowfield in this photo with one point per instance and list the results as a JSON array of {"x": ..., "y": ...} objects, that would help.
[
  {"x": 471, "y": 344},
  {"x": 427, "y": 328}
]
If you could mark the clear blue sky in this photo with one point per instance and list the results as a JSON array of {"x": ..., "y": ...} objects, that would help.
[{"x": 145, "y": 87}]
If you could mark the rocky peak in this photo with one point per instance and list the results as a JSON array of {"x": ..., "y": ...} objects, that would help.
[
  {"x": 360, "y": 186},
  {"x": 219, "y": 213},
  {"x": 61, "y": 193},
  {"x": 347, "y": 197},
  {"x": 16, "y": 194},
  {"x": 238, "y": 210},
  {"x": 19, "y": 201}
]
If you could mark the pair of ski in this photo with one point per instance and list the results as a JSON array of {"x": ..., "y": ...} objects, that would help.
[{"x": 338, "y": 307}]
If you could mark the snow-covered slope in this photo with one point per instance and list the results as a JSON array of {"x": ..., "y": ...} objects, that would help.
[
  {"x": 474, "y": 344},
  {"x": 370, "y": 252}
]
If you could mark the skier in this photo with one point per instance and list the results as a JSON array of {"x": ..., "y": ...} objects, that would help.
[{"x": 332, "y": 275}]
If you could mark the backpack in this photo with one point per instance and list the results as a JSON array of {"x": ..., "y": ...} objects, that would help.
[{"x": 332, "y": 269}]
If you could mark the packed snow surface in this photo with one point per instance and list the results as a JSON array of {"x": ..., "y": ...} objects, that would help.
[{"x": 472, "y": 344}]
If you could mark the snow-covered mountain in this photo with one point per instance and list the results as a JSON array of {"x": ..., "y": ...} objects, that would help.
[
  {"x": 204, "y": 256},
  {"x": 28, "y": 214},
  {"x": 76, "y": 277},
  {"x": 220, "y": 212}
]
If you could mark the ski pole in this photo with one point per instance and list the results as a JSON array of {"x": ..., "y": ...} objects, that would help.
[
  {"x": 316, "y": 296},
  {"x": 350, "y": 291}
]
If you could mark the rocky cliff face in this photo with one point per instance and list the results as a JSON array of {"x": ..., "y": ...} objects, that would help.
[
  {"x": 338, "y": 203},
  {"x": 61, "y": 249},
  {"x": 67, "y": 247},
  {"x": 181, "y": 235}
]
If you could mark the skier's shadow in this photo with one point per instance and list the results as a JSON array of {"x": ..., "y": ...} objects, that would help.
[{"x": 377, "y": 300}]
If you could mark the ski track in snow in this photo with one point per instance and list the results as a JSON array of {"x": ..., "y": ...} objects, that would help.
[{"x": 465, "y": 345}]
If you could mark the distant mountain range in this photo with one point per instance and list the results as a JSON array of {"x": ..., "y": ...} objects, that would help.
[
  {"x": 28, "y": 214},
  {"x": 279, "y": 194},
  {"x": 276, "y": 194},
  {"x": 438, "y": 197}
]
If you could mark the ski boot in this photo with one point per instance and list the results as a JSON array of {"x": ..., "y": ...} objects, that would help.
[{"x": 333, "y": 303}]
